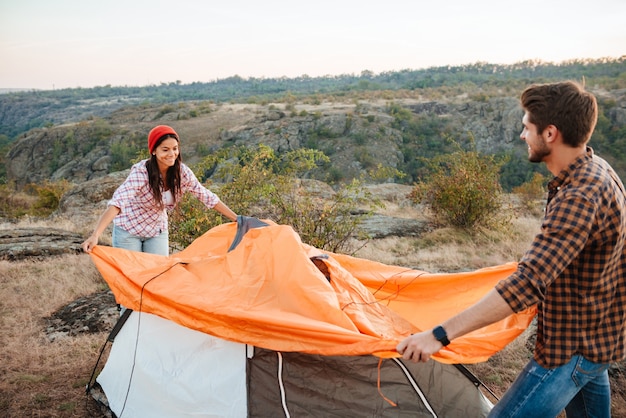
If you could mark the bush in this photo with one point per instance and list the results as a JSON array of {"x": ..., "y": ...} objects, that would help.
[
  {"x": 268, "y": 186},
  {"x": 39, "y": 200},
  {"x": 48, "y": 197},
  {"x": 463, "y": 189},
  {"x": 14, "y": 205},
  {"x": 532, "y": 193},
  {"x": 121, "y": 154},
  {"x": 325, "y": 223},
  {"x": 189, "y": 220}
]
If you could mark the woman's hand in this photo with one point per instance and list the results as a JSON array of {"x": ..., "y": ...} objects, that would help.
[{"x": 89, "y": 243}]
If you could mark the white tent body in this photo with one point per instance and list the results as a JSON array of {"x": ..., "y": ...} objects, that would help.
[{"x": 159, "y": 369}]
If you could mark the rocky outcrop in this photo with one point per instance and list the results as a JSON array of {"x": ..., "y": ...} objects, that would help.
[
  {"x": 381, "y": 226},
  {"x": 355, "y": 137},
  {"x": 94, "y": 313},
  {"x": 495, "y": 125},
  {"x": 51, "y": 154},
  {"x": 85, "y": 198},
  {"x": 37, "y": 243}
]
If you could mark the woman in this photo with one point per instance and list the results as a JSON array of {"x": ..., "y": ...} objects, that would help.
[{"x": 138, "y": 206}]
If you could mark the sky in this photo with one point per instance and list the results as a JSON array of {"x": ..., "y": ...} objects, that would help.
[{"x": 55, "y": 44}]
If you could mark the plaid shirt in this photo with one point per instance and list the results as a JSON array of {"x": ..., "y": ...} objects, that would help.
[
  {"x": 139, "y": 215},
  {"x": 575, "y": 269}
]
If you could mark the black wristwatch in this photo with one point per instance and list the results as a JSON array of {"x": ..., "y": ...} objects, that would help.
[{"x": 441, "y": 336}]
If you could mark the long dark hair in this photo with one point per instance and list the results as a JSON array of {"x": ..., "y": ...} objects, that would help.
[{"x": 172, "y": 177}]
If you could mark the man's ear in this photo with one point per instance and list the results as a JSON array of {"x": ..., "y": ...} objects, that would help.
[{"x": 550, "y": 133}]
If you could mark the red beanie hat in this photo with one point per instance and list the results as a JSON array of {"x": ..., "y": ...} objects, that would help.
[{"x": 157, "y": 132}]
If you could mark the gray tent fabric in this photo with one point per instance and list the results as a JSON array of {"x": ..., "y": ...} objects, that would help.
[
  {"x": 244, "y": 224},
  {"x": 304, "y": 385}
]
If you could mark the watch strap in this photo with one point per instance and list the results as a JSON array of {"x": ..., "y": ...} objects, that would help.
[{"x": 441, "y": 335}]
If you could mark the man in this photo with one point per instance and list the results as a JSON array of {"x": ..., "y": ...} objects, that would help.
[{"x": 574, "y": 271}]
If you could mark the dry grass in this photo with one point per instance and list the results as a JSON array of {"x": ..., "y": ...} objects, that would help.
[
  {"x": 447, "y": 250},
  {"x": 40, "y": 378},
  {"x": 44, "y": 378}
]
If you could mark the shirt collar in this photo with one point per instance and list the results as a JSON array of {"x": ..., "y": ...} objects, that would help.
[{"x": 564, "y": 175}]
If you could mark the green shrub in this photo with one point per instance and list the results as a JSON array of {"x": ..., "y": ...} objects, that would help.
[
  {"x": 463, "y": 189},
  {"x": 382, "y": 173},
  {"x": 48, "y": 197},
  {"x": 268, "y": 186},
  {"x": 39, "y": 200},
  {"x": 164, "y": 111},
  {"x": 532, "y": 193},
  {"x": 189, "y": 220},
  {"x": 121, "y": 154},
  {"x": 325, "y": 223}
]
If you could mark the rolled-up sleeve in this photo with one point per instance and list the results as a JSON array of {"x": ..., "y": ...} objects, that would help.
[{"x": 191, "y": 184}]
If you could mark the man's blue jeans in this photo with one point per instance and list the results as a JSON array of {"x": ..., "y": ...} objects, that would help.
[
  {"x": 581, "y": 387},
  {"x": 157, "y": 245}
]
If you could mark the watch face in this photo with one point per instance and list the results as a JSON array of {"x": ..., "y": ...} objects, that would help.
[
  {"x": 441, "y": 336},
  {"x": 439, "y": 333}
]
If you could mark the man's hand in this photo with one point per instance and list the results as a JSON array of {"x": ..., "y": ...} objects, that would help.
[
  {"x": 419, "y": 347},
  {"x": 491, "y": 308}
]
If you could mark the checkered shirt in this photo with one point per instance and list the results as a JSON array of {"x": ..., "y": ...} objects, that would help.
[
  {"x": 575, "y": 269},
  {"x": 139, "y": 215}
]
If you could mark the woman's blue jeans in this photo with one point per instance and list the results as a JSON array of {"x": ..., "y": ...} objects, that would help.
[
  {"x": 581, "y": 387},
  {"x": 156, "y": 245},
  {"x": 124, "y": 239}
]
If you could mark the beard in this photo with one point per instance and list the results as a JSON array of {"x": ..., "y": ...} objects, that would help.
[{"x": 538, "y": 152}]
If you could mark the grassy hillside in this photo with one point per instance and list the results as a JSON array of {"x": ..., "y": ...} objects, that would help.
[
  {"x": 419, "y": 110},
  {"x": 21, "y": 111}
]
